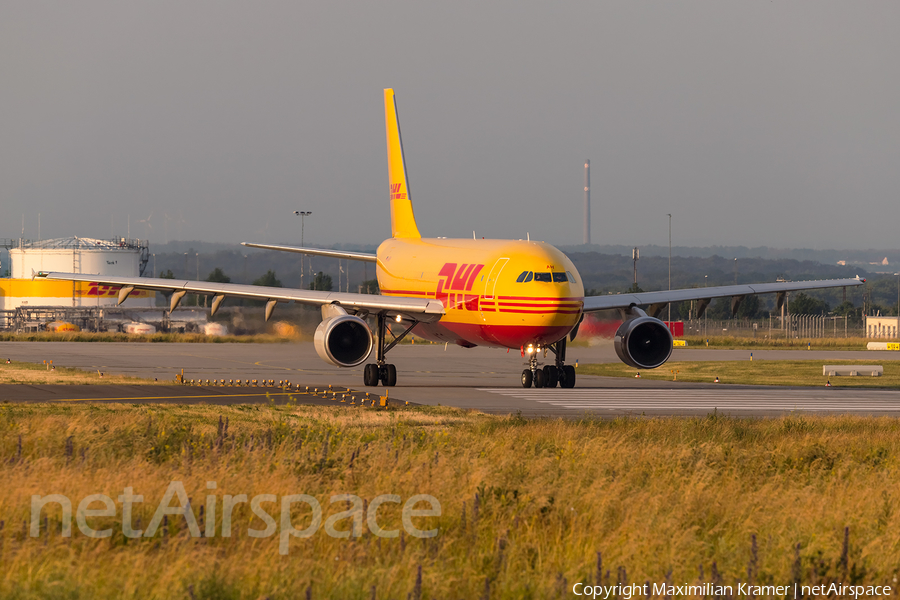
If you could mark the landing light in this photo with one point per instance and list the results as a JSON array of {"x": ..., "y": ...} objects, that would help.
[
  {"x": 529, "y": 349},
  {"x": 398, "y": 318}
]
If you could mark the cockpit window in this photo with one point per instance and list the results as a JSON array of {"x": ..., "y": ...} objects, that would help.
[{"x": 552, "y": 277}]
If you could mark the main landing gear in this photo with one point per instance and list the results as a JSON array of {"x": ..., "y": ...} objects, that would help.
[
  {"x": 550, "y": 375},
  {"x": 382, "y": 371},
  {"x": 386, "y": 373}
]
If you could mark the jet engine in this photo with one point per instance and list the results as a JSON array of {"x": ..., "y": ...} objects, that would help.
[
  {"x": 643, "y": 342},
  {"x": 343, "y": 340}
]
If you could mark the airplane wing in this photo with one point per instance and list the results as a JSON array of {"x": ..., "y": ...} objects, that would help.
[
  {"x": 316, "y": 252},
  {"x": 658, "y": 300},
  {"x": 416, "y": 309}
]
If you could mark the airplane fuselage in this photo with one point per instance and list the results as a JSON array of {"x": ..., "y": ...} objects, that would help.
[{"x": 500, "y": 293}]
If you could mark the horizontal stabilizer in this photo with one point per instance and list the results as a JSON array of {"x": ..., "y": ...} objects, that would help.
[{"x": 316, "y": 251}]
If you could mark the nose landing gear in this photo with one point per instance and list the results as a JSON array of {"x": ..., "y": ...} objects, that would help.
[
  {"x": 550, "y": 375},
  {"x": 533, "y": 374}
]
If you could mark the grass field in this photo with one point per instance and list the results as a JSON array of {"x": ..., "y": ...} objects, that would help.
[
  {"x": 731, "y": 341},
  {"x": 526, "y": 505},
  {"x": 756, "y": 372},
  {"x": 721, "y": 342},
  {"x": 16, "y": 372}
]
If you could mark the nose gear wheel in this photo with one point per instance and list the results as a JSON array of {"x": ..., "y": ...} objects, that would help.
[{"x": 550, "y": 375}]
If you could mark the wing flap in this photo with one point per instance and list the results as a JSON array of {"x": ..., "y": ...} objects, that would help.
[
  {"x": 419, "y": 309},
  {"x": 595, "y": 303}
]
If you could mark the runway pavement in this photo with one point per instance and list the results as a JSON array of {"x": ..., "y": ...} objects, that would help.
[
  {"x": 731, "y": 400},
  {"x": 480, "y": 378},
  {"x": 177, "y": 394}
]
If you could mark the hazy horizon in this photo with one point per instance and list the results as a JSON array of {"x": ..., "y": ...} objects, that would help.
[{"x": 756, "y": 124}]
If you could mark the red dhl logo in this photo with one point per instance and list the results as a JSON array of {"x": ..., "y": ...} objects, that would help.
[
  {"x": 454, "y": 290},
  {"x": 112, "y": 291},
  {"x": 452, "y": 280},
  {"x": 396, "y": 194}
]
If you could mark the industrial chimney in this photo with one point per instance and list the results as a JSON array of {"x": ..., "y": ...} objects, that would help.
[{"x": 587, "y": 202}]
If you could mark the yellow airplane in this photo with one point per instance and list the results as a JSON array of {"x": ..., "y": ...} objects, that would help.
[{"x": 519, "y": 294}]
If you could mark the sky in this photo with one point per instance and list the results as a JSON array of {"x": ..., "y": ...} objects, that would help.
[{"x": 753, "y": 123}]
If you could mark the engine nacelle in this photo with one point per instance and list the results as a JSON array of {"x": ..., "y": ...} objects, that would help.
[
  {"x": 643, "y": 342},
  {"x": 343, "y": 340}
]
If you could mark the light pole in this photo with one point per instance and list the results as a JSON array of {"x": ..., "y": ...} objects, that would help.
[
  {"x": 185, "y": 275},
  {"x": 670, "y": 268},
  {"x": 898, "y": 303},
  {"x": 302, "y": 214},
  {"x": 245, "y": 275},
  {"x": 635, "y": 255},
  {"x": 706, "y": 312},
  {"x": 198, "y": 279}
]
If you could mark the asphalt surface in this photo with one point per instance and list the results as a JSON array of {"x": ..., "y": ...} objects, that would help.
[
  {"x": 181, "y": 394},
  {"x": 479, "y": 378}
]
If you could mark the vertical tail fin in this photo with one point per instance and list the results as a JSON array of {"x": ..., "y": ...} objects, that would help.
[{"x": 403, "y": 221}]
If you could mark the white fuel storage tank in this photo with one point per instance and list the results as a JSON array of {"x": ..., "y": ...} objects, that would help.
[{"x": 117, "y": 257}]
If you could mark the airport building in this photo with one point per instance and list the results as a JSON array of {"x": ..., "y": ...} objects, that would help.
[{"x": 883, "y": 327}]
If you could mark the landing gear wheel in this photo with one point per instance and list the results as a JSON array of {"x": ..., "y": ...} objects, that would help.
[
  {"x": 370, "y": 376},
  {"x": 388, "y": 375},
  {"x": 567, "y": 379},
  {"x": 539, "y": 379},
  {"x": 551, "y": 376},
  {"x": 385, "y": 372},
  {"x": 526, "y": 378}
]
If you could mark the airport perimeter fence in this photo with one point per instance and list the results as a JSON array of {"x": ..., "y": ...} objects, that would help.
[{"x": 791, "y": 327}]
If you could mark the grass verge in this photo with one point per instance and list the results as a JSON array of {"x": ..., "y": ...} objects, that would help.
[
  {"x": 16, "y": 372},
  {"x": 755, "y": 372},
  {"x": 528, "y": 507},
  {"x": 731, "y": 342}
]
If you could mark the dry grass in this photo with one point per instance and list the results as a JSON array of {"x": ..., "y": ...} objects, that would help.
[
  {"x": 731, "y": 341},
  {"x": 756, "y": 372},
  {"x": 527, "y": 504},
  {"x": 17, "y": 372}
]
